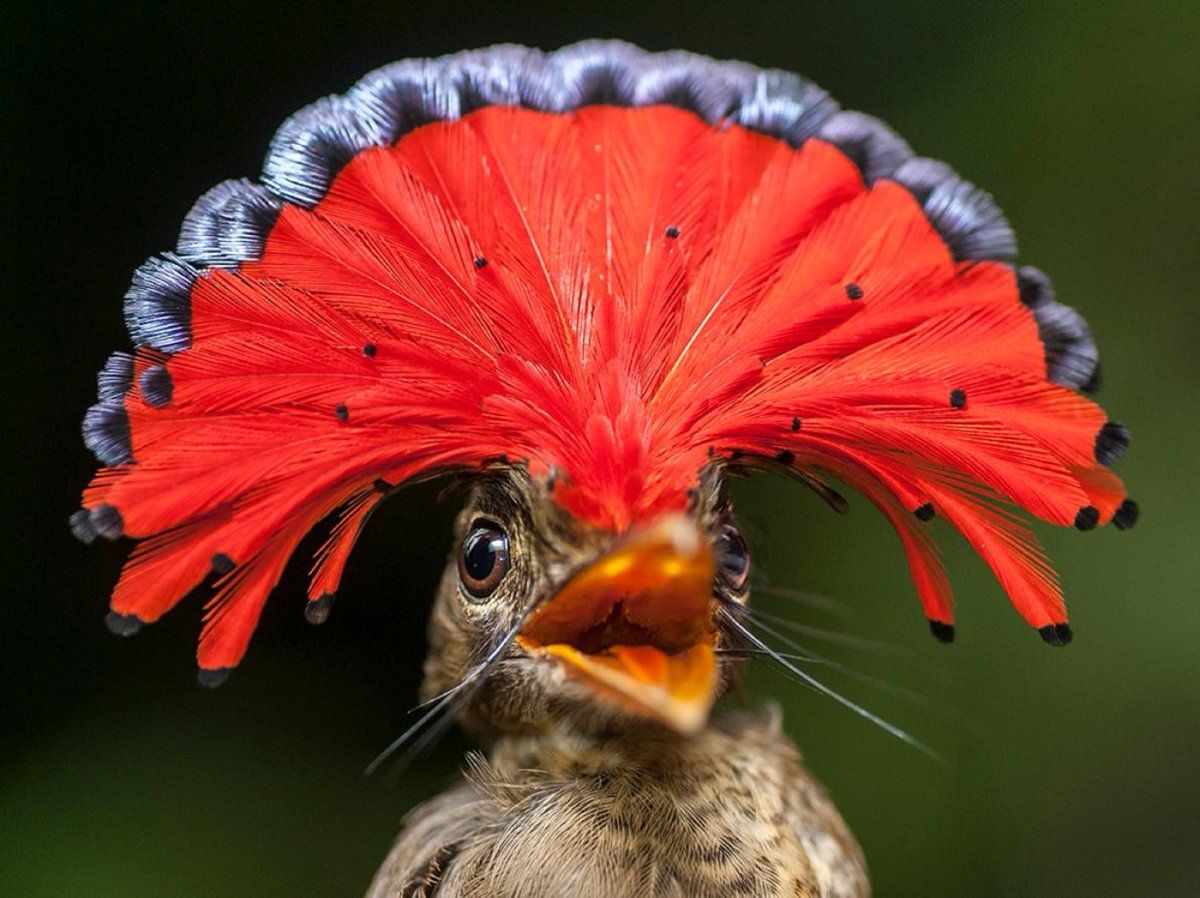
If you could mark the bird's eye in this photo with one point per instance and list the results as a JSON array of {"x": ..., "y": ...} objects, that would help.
[
  {"x": 733, "y": 556},
  {"x": 483, "y": 561}
]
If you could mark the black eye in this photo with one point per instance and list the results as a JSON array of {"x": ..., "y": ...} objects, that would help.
[
  {"x": 733, "y": 556},
  {"x": 483, "y": 561}
]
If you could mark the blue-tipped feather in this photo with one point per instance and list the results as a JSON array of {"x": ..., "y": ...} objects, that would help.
[
  {"x": 311, "y": 148},
  {"x": 228, "y": 225},
  {"x": 158, "y": 310},
  {"x": 876, "y": 149},
  {"x": 1071, "y": 355},
  {"x": 967, "y": 218},
  {"x": 81, "y": 527},
  {"x": 1112, "y": 442},
  {"x": 107, "y": 522},
  {"x": 112, "y": 383},
  {"x": 786, "y": 106},
  {"x": 106, "y": 433}
]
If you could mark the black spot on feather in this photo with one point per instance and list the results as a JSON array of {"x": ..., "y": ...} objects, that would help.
[
  {"x": 854, "y": 292},
  {"x": 1087, "y": 518},
  {"x": 1126, "y": 515},
  {"x": 342, "y": 412},
  {"x": 107, "y": 522},
  {"x": 924, "y": 512},
  {"x": 958, "y": 398},
  {"x": 156, "y": 385},
  {"x": 942, "y": 631},
  {"x": 785, "y": 457},
  {"x": 81, "y": 526},
  {"x": 672, "y": 232},
  {"x": 369, "y": 350},
  {"x": 211, "y": 678},
  {"x": 221, "y": 564},
  {"x": 317, "y": 611},
  {"x": 122, "y": 624},
  {"x": 480, "y": 262},
  {"x": 1055, "y": 634},
  {"x": 795, "y": 423}
]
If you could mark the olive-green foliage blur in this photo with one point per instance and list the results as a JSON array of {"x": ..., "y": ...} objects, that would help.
[{"x": 1068, "y": 772}]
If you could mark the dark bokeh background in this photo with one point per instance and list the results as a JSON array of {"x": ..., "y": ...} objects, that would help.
[{"x": 1071, "y": 772}]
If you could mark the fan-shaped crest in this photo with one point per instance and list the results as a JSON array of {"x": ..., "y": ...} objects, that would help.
[{"x": 615, "y": 267}]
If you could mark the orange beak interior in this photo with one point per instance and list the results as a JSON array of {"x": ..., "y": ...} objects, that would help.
[{"x": 636, "y": 625}]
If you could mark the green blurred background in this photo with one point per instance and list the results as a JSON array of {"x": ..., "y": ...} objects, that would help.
[{"x": 1068, "y": 772}]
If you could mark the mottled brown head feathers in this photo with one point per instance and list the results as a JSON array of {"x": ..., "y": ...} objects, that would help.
[{"x": 546, "y": 546}]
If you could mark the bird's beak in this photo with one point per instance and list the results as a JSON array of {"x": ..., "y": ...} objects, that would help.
[{"x": 636, "y": 625}]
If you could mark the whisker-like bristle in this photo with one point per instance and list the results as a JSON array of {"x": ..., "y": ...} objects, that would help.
[
  {"x": 813, "y": 600},
  {"x": 812, "y": 657},
  {"x": 859, "y": 643},
  {"x": 744, "y": 652},
  {"x": 442, "y": 709},
  {"x": 816, "y": 684}
]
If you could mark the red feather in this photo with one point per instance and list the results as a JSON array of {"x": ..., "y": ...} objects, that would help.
[{"x": 610, "y": 293}]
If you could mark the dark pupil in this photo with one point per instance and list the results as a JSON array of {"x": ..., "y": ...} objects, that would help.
[{"x": 482, "y": 552}]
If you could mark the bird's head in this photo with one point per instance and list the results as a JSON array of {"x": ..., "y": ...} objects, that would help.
[
  {"x": 624, "y": 272},
  {"x": 583, "y": 626}
]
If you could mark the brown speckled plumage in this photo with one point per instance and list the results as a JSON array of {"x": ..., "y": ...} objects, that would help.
[
  {"x": 575, "y": 797},
  {"x": 729, "y": 812}
]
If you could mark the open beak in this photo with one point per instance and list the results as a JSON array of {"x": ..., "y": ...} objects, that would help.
[{"x": 636, "y": 625}]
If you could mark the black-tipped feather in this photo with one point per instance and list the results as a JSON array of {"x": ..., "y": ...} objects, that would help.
[
  {"x": 942, "y": 631},
  {"x": 1126, "y": 515},
  {"x": 81, "y": 527},
  {"x": 221, "y": 564},
  {"x": 122, "y": 624},
  {"x": 211, "y": 679},
  {"x": 1056, "y": 634},
  {"x": 317, "y": 611},
  {"x": 107, "y": 522}
]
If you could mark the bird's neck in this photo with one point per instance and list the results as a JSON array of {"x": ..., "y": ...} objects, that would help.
[
  {"x": 730, "y": 810},
  {"x": 570, "y": 752}
]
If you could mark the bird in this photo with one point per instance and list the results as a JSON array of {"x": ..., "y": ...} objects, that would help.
[{"x": 593, "y": 285}]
